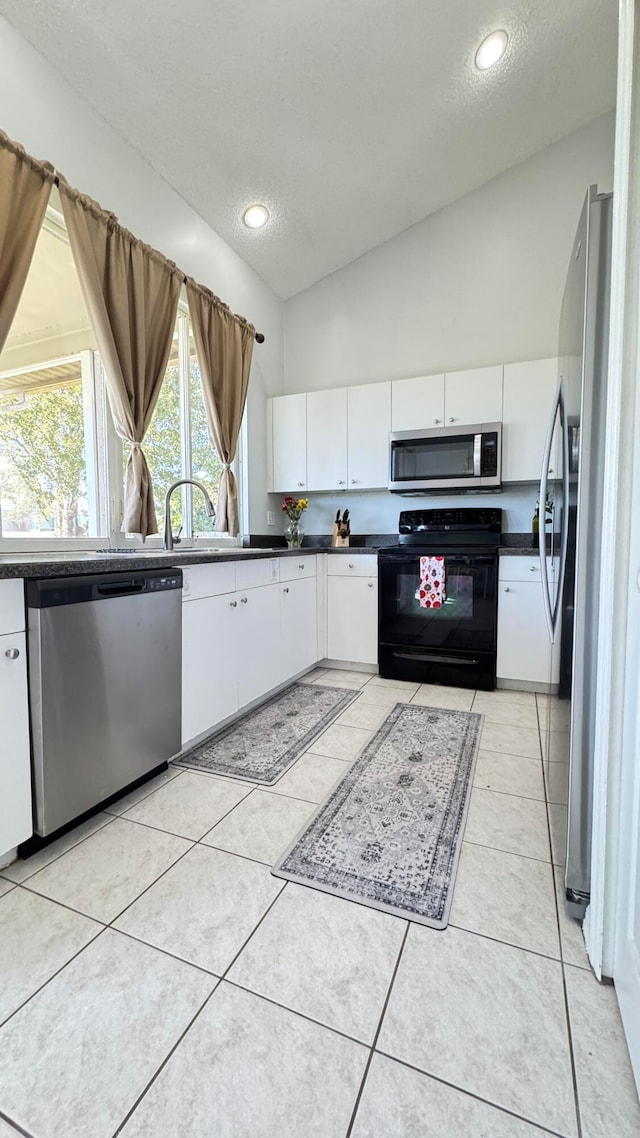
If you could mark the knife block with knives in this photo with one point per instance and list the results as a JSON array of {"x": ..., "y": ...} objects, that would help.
[{"x": 341, "y": 530}]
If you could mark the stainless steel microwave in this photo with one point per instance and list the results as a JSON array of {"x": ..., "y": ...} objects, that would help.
[{"x": 446, "y": 458}]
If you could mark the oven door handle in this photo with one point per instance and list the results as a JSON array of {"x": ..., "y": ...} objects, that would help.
[{"x": 433, "y": 658}]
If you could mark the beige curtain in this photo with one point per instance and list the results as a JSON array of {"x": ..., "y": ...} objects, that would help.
[
  {"x": 25, "y": 186},
  {"x": 224, "y": 346},
  {"x": 131, "y": 293}
]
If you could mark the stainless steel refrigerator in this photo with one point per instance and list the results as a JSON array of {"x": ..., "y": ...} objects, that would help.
[{"x": 570, "y": 565}]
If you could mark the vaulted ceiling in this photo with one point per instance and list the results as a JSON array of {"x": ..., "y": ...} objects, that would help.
[{"x": 349, "y": 119}]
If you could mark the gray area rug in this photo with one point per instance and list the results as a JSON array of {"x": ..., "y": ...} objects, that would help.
[
  {"x": 390, "y": 832},
  {"x": 263, "y": 744}
]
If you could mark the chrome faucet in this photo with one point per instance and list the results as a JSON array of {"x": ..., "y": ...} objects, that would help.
[{"x": 168, "y": 539}]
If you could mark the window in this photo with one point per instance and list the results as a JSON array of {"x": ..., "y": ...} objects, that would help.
[
  {"x": 177, "y": 444},
  {"x": 61, "y": 462},
  {"x": 48, "y": 430}
]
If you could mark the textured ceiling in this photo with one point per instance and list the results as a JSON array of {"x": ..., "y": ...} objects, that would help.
[{"x": 350, "y": 119}]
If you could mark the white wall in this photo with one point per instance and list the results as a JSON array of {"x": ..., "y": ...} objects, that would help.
[
  {"x": 479, "y": 282},
  {"x": 41, "y": 111}
]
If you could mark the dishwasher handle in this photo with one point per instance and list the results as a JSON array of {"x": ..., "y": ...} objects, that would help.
[{"x": 120, "y": 588}]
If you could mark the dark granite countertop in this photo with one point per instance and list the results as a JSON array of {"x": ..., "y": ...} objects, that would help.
[{"x": 66, "y": 564}]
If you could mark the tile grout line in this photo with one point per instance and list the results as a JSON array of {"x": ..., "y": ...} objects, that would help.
[
  {"x": 143, "y": 797},
  {"x": 18, "y": 1129},
  {"x": 572, "y": 1062},
  {"x": 44, "y": 984},
  {"x": 111, "y": 818},
  {"x": 195, "y": 1017},
  {"x": 469, "y": 1094},
  {"x": 376, "y": 1035}
]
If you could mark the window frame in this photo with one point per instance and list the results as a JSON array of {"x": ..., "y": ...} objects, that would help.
[{"x": 104, "y": 456}]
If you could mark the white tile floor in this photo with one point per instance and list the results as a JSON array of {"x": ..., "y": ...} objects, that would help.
[{"x": 158, "y": 981}]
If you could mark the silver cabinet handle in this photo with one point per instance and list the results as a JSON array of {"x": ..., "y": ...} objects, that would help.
[
  {"x": 550, "y": 470},
  {"x": 301, "y": 566},
  {"x": 351, "y": 565},
  {"x": 451, "y": 419},
  {"x": 285, "y": 590},
  {"x": 507, "y": 589},
  {"x": 533, "y": 568},
  {"x": 244, "y": 600},
  {"x": 341, "y": 482},
  {"x": 437, "y": 420},
  {"x": 354, "y": 481},
  {"x": 233, "y": 604},
  {"x": 300, "y": 483},
  {"x": 370, "y": 583},
  {"x": 12, "y": 653}
]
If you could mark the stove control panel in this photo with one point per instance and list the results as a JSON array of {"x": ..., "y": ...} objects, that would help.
[{"x": 457, "y": 519}]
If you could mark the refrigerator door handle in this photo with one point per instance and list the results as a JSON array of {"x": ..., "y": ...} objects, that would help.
[
  {"x": 558, "y": 408},
  {"x": 564, "y": 537}
]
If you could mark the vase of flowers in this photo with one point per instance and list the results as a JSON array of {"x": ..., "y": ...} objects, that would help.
[{"x": 294, "y": 509}]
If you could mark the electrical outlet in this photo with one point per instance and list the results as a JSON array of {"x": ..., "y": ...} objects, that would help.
[{"x": 271, "y": 518}]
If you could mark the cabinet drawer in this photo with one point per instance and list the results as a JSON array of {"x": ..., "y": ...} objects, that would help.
[
  {"x": 12, "y": 618},
  {"x": 359, "y": 565},
  {"x": 208, "y": 580},
  {"x": 292, "y": 568},
  {"x": 523, "y": 568},
  {"x": 252, "y": 574}
]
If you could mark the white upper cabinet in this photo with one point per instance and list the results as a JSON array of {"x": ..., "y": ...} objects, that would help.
[
  {"x": 529, "y": 389},
  {"x": 368, "y": 426},
  {"x": 417, "y": 404},
  {"x": 289, "y": 442},
  {"x": 473, "y": 396},
  {"x": 327, "y": 439}
]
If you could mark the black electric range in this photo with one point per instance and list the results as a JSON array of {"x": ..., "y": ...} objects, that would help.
[{"x": 455, "y": 642}]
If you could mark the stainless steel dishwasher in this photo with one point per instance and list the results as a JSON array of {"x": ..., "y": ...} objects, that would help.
[{"x": 105, "y": 657}]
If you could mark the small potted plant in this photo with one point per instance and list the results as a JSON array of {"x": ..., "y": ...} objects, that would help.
[{"x": 294, "y": 509}]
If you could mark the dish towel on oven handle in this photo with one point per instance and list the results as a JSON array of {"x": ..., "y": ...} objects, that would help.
[{"x": 431, "y": 592}]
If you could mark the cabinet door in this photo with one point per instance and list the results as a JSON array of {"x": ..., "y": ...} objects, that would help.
[
  {"x": 529, "y": 389},
  {"x": 417, "y": 404},
  {"x": 16, "y": 823},
  {"x": 524, "y": 649},
  {"x": 299, "y": 624},
  {"x": 258, "y": 645},
  {"x": 209, "y": 663},
  {"x": 327, "y": 439},
  {"x": 352, "y": 605},
  {"x": 473, "y": 396},
  {"x": 368, "y": 426},
  {"x": 289, "y": 427}
]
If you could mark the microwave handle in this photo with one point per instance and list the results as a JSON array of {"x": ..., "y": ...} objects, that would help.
[{"x": 477, "y": 455}]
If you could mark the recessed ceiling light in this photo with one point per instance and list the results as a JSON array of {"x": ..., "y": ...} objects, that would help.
[
  {"x": 256, "y": 216},
  {"x": 491, "y": 50}
]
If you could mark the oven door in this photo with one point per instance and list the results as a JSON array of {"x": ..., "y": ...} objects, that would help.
[{"x": 454, "y": 644}]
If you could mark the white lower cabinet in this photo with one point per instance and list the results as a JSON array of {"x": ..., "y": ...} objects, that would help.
[
  {"x": 258, "y": 642},
  {"x": 352, "y": 604},
  {"x": 524, "y": 649},
  {"x": 299, "y": 638},
  {"x": 209, "y": 663},
  {"x": 16, "y": 824},
  {"x": 239, "y": 645}
]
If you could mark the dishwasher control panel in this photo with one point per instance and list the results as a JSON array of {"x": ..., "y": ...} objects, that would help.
[
  {"x": 174, "y": 581},
  {"x": 55, "y": 592}
]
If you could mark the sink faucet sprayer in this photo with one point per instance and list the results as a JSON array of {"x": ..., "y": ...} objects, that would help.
[{"x": 208, "y": 505}]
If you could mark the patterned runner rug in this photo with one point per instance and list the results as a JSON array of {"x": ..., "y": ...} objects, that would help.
[
  {"x": 390, "y": 832},
  {"x": 264, "y": 743}
]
